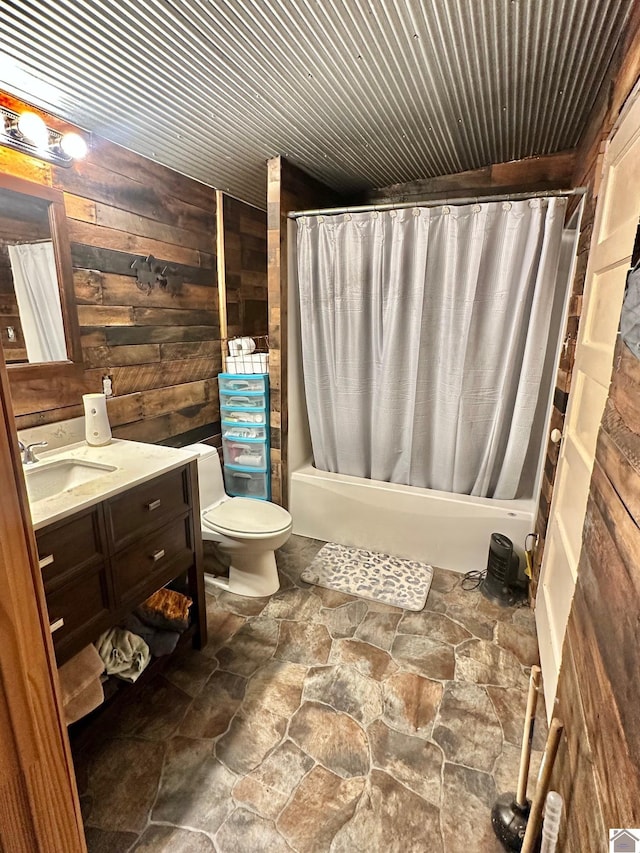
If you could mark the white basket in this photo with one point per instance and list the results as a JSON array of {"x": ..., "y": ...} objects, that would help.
[{"x": 255, "y": 362}]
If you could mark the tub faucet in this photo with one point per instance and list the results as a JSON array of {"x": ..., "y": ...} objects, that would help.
[{"x": 28, "y": 456}]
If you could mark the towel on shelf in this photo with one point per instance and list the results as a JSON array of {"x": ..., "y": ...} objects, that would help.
[
  {"x": 166, "y": 609},
  {"x": 124, "y": 654},
  {"x": 160, "y": 642},
  {"x": 80, "y": 684}
]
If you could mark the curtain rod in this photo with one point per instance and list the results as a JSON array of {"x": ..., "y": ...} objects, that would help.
[{"x": 476, "y": 199}]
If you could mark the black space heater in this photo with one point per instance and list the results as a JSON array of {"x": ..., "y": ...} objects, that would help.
[{"x": 504, "y": 583}]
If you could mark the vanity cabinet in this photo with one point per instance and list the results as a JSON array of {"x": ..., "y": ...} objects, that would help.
[{"x": 104, "y": 561}]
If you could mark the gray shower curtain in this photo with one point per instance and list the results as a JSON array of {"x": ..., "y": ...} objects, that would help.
[{"x": 424, "y": 334}]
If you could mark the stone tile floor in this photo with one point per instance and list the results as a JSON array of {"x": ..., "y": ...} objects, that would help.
[{"x": 315, "y": 721}]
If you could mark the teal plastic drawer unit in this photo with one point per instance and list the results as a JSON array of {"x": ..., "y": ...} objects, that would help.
[{"x": 244, "y": 410}]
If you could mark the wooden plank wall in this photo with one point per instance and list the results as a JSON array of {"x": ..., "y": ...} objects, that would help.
[
  {"x": 161, "y": 349},
  {"x": 598, "y": 766},
  {"x": 534, "y": 174},
  {"x": 288, "y": 188},
  {"x": 245, "y": 255}
]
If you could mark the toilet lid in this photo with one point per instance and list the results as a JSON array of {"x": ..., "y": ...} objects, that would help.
[{"x": 243, "y": 515}]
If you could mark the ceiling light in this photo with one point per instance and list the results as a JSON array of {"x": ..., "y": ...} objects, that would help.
[
  {"x": 34, "y": 130},
  {"x": 28, "y": 133},
  {"x": 74, "y": 146}
]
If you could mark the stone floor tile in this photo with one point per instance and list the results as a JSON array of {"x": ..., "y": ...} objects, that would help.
[
  {"x": 249, "y": 738},
  {"x": 277, "y": 686},
  {"x": 170, "y": 839},
  {"x": 510, "y": 705},
  {"x": 507, "y": 768},
  {"x": 155, "y": 715},
  {"x": 358, "y": 765},
  {"x": 190, "y": 670},
  {"x": 389, "y": 817},
  {"x": 434, "y": 625},
  {"x": 321, "y": 805},
  {"x": 436, "y": 601},
  {"x": 467, "y": 798},
  {"x": 482, "y": 662},
  {"x": 413, "y": 762},
  {"x": 479, "y": 625},
  {"x": 378, "y": 629},
  {"x": 345, "y": 689},
  {"x": 519, "y": 641},
  {"x": 444, "y": 580},
  {"x": 123, "y": 782},
  {"x": 295, "y": 605},
  {"x": 343, "y": 621},
  {"x": 107, "y": 841},
  {"x": 411, "y": 703},
  {"x": 221, "y": 625},
  {"x": 300, "y": 643},
  {"x": 195, "y": 789},
  {"x": 241, "y": 605},
  {"x": 467, "y": 727},
  {"x": 267, "y": 788},
  {"x": 368, "y": 660},
  {"x": 246, "y": 831},
  {"x": 424, "y": 656},
  {"x": 212, "y": 711},
  {"x": 252, "y": 646},
  {"x": 332, "y": 738}
]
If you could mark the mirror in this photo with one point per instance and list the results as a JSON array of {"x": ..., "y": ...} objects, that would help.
[{"x": 38, "y": 322}]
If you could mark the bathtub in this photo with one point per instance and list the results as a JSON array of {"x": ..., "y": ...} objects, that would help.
[{"x": 446, "y": 530}]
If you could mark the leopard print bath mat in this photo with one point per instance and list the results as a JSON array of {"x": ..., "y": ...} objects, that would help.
[{"x": 371, "y": 575}]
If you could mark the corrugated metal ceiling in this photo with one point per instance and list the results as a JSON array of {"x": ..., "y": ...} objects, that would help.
[{"x": 360, "y": 93}]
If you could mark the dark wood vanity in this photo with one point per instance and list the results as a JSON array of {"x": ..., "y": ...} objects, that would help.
[{"x": 103, "y": 561}]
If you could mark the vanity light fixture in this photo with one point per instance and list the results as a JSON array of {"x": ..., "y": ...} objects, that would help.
[{"x": 28, "y": 133}]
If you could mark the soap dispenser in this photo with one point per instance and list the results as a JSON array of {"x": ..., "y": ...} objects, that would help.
[{"x": 96, "y": 420}]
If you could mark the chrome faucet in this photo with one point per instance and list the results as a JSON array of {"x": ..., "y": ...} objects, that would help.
[{"x": 28, "y": 456}]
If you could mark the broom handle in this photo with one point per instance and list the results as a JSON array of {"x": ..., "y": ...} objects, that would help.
[
  {"x": 548, "y": 760},
  {"x": 527, "y": 737}
]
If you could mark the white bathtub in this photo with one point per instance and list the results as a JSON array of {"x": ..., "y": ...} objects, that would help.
[{"x": 450, "y": 531}]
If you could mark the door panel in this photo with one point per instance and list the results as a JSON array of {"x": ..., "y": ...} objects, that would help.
[{"x": 615, "y": 226}]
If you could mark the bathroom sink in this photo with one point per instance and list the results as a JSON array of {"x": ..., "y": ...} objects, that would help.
[{"x": 46, "y": 479}]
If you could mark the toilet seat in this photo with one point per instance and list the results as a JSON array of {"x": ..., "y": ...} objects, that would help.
[{"x": 246, "y": 517}]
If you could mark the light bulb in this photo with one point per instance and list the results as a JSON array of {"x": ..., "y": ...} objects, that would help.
[
  {"x": 74, "y": 146},
  {"x": 33, "y": 128}
]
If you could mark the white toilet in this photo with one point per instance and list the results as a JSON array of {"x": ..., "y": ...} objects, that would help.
[{"x": 248, "y": 530}]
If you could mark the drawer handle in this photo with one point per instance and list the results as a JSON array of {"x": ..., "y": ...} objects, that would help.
[
  {"x": 56, "y": 624},
  {"x": 157, "y": 555},
  {"x": 45, "y": 561},
  {"x": 154, "y": 505}
]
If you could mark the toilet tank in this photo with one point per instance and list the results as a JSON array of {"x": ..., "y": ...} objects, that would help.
[{"x": 211, "y": 484}]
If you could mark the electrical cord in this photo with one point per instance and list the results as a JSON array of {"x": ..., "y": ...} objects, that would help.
[{"x": 472, "y": 580}]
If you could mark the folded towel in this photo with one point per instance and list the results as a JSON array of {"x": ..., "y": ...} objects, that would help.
[
  {"x": 124, "y": 654},
  {"x": 166, "y": 609},
  {"x": 86, "y": 701},
  {"x": 160, "y": 642},
  {"x": 80, "y": 683}
]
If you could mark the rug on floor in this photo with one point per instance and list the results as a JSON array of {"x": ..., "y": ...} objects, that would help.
[{"x": 371, "y": 575}]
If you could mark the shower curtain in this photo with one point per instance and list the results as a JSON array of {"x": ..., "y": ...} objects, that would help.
[
  {"x": 35, "y": 281},
  {"x": 424, "y": 334}
]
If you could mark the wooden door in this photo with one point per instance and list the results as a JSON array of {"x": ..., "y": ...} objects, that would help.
[
  {"x": 615, "y": 225},
  {"x": 39, "y": 809}
]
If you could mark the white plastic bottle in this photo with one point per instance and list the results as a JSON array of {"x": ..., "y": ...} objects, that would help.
[{"x": 551, "y": 825}]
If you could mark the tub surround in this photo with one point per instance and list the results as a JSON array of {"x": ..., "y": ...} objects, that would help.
[
  {"x": 440, "y": 528},
  {"x": 135, "y": 463}
]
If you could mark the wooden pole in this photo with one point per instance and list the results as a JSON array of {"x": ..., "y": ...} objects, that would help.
[
  {"x": 548, "y": 759},
  {"x": 527, "y": 736}
]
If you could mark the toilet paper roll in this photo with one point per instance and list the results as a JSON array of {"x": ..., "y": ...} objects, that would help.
[{"x": 241, "y": 346}]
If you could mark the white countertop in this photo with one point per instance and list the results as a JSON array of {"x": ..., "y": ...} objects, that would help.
[{"x": 134, "y": 461}]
